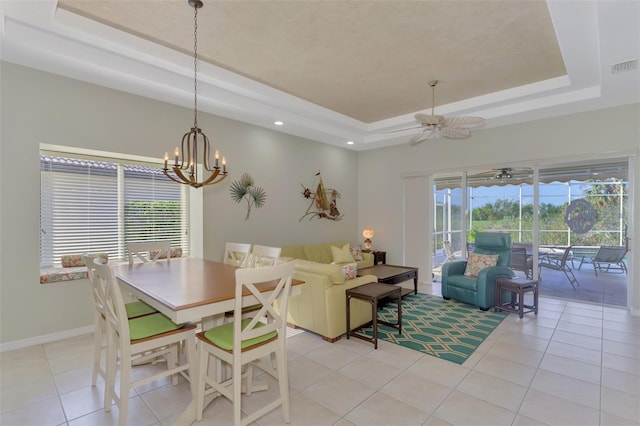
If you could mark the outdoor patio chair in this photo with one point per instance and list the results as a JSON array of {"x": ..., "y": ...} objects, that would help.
[
  {"x": 608, "y": 258},
  {"x": 521, "y": 262},
  {"x": 560, "y": 265},
  {"x": 451, "y": 255}
]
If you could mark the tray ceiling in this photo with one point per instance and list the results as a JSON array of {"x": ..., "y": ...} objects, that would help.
[{"x": 335, "y": 71}]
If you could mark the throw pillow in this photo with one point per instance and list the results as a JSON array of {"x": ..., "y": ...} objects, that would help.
[
  {"x": 478, "y": 262},
  {"x": 341, "y": 255},
  {"x": 350, "y": 271},
  {"x": 356, "y": 252}
]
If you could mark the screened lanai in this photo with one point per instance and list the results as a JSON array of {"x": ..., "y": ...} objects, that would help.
[{"x": 582, "y": 205}]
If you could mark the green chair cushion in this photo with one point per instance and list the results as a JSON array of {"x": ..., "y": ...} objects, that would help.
[
  {"x": 222, "y": 335},
  {"x": 138, "y": 309},
  {"x": 150, "y": 325}
]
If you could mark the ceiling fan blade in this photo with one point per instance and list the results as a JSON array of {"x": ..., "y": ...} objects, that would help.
[
  {"x": 428, "y": 133},
  {"x": 463, "y": 122},
  {"x": 418, "y": 138},
  {"x": 455, "y": 132},
  {"x": 427, "y": 120},
  {"x": 402, "y": 130}
]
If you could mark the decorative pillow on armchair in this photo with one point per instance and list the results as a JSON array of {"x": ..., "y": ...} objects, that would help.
[
  {"x": 350, "y": 271},
  {"x": 478, "y": 262}
]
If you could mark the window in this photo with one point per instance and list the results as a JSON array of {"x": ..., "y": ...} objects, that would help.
[{"x": 99, "y": 206}]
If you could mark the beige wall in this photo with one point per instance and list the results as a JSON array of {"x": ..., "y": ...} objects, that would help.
[
  {"x": 390, "y": 174},
  {"x": 38, "y": 107}
]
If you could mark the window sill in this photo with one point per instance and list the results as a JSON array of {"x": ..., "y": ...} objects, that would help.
[{"x": 57, "y": 275}]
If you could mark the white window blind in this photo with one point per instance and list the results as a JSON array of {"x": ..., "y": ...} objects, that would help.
[{"x": 97, "y": 206}]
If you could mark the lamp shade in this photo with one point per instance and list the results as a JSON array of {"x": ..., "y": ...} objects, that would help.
[{"x": 367, "y": 233}]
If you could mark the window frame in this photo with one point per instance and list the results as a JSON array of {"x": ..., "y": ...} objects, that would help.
[{"x": 191, "y": 218}]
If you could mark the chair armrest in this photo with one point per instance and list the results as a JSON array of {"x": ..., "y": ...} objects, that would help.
[
  {"x": 449, "y": 269},
  {"x": 454, "y": 268}
]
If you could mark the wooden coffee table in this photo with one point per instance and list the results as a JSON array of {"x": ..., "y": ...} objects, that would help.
[{"x": 393, "y": 274}]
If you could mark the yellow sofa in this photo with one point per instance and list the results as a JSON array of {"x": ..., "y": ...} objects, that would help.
[{"x": 320, "y": 307}]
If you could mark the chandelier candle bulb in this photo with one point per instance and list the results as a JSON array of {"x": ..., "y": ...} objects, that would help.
[
  {"x": 166, "y": 160},
  {"x": 217, "y": 156},
  {"x": 224, "y": 165},
  {"x": 176, "y": 153}
]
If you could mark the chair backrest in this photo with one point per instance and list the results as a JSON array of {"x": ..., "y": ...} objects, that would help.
[
  {"x": 448, "y": 250},
  {"x": 264, "y": 256},
  {"x": 237, "y": 254},
  {"x": 148, "y": 251},
  {"x": 565, "y": 257},
  {"x": 247, "y": 280},
  {"x": 470, "y": 247},
  {"x": 610, "y": 254},
  {"x": 116, "y": 314},
  {"x": 519, "y": 244},
  {"x": 494, "y": 243},
  {"x": 519, "y": 259},
  {"x": 97, "y": 288}
]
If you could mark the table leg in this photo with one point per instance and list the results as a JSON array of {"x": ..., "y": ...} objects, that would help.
[
  {"x": 399, "y": 313},
  {"x": 374, "y": 318},
  {"x": 348, "y": 316}
]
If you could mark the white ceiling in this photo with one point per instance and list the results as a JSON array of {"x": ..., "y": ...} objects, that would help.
[{"x": 335, "y": 71}]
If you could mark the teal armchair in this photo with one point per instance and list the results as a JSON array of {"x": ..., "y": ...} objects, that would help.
[{"x": 479, "y": 290}]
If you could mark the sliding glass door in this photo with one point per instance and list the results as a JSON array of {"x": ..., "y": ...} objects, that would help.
[{"x": 582, "y": 205}]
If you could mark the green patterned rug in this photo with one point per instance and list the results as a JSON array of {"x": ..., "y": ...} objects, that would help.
[{"x": 443, "y": 328}]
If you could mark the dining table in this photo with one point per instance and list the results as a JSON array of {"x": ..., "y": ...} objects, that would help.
[{"x": 188, "y": 289}]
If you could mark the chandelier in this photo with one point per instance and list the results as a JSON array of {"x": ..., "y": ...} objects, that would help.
[{"x": 185, "y": 166}]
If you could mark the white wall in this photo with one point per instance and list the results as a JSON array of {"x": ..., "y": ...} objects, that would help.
[
  {"x": 38, "y": 107},
  {"x": 383, "y": 173}
]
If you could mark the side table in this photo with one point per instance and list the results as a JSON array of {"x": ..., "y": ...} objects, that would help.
[
  {"x": 517, "y": 287},
  {"x": 378, "y": 256},
  {"x": 373, "y": 293}
]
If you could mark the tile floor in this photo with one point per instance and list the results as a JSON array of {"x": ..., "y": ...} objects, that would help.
[{"x": 573, "y": 364}]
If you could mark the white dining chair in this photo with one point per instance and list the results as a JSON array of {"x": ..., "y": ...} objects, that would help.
[
  {"x": 137, "y": 340},
  {"x": 236, "y": 254},
  {"x": 264, "y": 256},
  {"x": 249, "y": 342},
  {"x": 148, "y": 251},
  {"x": 133, "y": 310}
]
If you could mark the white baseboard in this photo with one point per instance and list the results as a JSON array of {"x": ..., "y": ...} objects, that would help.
[{"x": 39, "y": 340}]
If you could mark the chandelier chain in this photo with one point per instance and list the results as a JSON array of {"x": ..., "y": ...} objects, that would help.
[{"x": 195, "y": 67}]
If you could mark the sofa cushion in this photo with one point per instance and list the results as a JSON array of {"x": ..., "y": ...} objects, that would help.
[
  {"x": 342, "y": 255},
  {"x": 318, "y": 253},
  {"x": 295, "y": 252},
  {"x": 74, "y": 260},
  {"x": 332, "y": 271},
  {"x": 463, "y": 281},
  {"x": 478, "y": 262}
]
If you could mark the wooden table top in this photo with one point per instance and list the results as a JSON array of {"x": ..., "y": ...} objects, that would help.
[{"x": 186, "y": 282}]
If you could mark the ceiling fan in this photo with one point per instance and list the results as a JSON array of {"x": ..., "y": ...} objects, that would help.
[
  {"x": 434, "y": 126},
  {"x": 503, "y": 175}
]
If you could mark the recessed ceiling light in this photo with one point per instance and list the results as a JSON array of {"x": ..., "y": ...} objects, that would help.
[
  {"x": 278, "y": 123},
  {"x": 350, "y": 142}
]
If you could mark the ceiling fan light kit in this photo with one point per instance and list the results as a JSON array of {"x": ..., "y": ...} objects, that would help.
[
  {"x": 504, "y": 174},
  {"x": 435, "y": 126}
]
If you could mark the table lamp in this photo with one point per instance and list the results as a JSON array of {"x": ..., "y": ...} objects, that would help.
[{"x": 367, "y": 233}]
